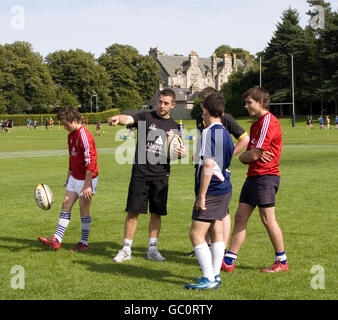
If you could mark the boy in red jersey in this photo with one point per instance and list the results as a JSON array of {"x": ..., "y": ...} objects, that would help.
[
  {"x": 81, "y": 179},
  {"x": 262, "y": 155}
]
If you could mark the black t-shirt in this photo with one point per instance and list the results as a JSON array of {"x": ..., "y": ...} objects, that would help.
[
  {"x": 228, "y": 122},
  {"x": 151, "y": 160}
]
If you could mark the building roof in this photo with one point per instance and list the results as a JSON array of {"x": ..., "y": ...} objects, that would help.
[{"x": 172, "y": 63}]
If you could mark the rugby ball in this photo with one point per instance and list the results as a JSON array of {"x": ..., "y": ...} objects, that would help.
[
  {"x": 43, "y": 196},
  {"x": 174, "y": 140}
]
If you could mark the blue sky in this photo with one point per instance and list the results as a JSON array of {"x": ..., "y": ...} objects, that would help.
[{"x": 174, "y": 26}]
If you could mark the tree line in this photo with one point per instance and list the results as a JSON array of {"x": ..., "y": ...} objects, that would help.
[
  {"x": 119, "y": 78},
  {"x": 315, "y": 52}
]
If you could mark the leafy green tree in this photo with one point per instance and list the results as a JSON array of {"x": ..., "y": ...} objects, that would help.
[
  {"x": 242, "y": 54},
  {"x": 325, "y": 34},
  {"x": 289, "y": 39},
  {"x": 81, "y": 77},
  {"x": 233, "y": 90},
  {"x": 196, "y": 109},
  {"x": 129, "y": 71},
  {"x": 25, "y": 81},
  {"x": 3, "y": 105}
]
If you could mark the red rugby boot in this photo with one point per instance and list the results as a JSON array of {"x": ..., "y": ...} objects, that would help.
[
  {"x": 50, "y": 242},
  {"x": 227, "y": 268},
  {"x": 80, "y": 247},
  {"x": 277, "y": 266}
]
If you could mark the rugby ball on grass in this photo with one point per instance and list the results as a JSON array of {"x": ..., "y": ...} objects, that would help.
[
  {"x": 43, "y": 196},
  {"x": 174, "y": 141}
]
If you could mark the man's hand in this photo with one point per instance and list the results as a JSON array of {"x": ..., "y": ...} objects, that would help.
[
  {"x": 181, "y": 151},
  {"x": 113, "y": 121}
]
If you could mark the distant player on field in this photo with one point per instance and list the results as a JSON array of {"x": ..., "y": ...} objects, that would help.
[
  {"x": 262, "y": 181},
  {"x": 214, "y": 194},
  {"x": 81, "y": 179}
]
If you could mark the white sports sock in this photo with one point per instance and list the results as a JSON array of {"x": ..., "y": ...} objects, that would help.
[
  {"x": 127, "y": 243},
  {"x": 203, "y": 256},
  {"x": 153, "y": 243},
  {"x": 217, "y": 254}
]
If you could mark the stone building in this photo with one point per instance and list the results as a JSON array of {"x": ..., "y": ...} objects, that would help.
[{"x": 193, "y": 72}]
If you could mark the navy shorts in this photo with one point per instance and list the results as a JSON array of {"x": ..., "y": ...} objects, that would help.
[
  {"x": 217, "y": 208},
  {"x": 260, "y": 191},
  {"x": 141, "y": 193}
]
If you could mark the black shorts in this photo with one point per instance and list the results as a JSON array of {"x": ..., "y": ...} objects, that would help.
[
  {"x": 141, "y": 192},
  {"x": 260, "y": 191},
  {"x": 217, "y": 208}
]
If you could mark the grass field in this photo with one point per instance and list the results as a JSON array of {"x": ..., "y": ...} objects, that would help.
[{"x": 306, "y": 211}]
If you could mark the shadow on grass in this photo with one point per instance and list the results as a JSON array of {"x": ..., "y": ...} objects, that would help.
[
  {"x": 100, "y": 248},
  {"x": 108, "y": 250},
  {"x": 130, "y": 270}
]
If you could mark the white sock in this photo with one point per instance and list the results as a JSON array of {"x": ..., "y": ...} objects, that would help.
[
  {"x": 127, "y": 244},
  {"x": 152, "y": 243},
  {"x": 203, "y": 256},
  {"x": 217, "y": 254}
]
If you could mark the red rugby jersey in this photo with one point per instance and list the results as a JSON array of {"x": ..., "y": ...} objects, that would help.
[
  {"x": 82, "y": 153},
  {"x": 265, "y": 134}
]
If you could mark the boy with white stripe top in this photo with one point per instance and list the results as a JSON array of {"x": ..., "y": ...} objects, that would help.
[
  {"x": 262, "y": 183},
  {"x": 214, "y": 194},
  {"x": 81, "y": 180}
]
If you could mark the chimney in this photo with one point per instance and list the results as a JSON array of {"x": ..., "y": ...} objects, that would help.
[
  {"x": 153, "y": 52},
  {"x": 214, "y": 64},
  {"x": 227, "y": 59},
  {"x": 193, "y": 58}
]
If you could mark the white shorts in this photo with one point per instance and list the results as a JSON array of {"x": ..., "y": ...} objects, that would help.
[{"x": 76, "y": 185}]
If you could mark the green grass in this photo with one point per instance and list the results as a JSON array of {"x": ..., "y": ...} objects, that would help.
[{"x": 306, "y": 211}]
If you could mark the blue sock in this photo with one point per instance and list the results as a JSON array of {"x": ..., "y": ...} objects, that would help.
[
  {"x": 280, "y": 256},
  {"x": 85, "y": 227},
  {"x": 230, "y": 258},
  {"x": 62, "y": 225}
]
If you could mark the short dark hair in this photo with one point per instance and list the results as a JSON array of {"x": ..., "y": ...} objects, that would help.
[
  {"x": 215, "y": 105},
  {"x": 69, "y": 114},
  {"x": 168, "y": 92},
  {"x": 258, "y": 93},
  {"x": 206, "y": 92}
]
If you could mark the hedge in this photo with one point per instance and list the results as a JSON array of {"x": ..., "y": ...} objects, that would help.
[{"x": 21, "y": 119}]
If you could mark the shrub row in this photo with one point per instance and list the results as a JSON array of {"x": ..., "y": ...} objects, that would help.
[{"x": 21, "y": 119}]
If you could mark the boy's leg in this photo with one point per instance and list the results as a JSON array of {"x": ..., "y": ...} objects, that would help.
[
  {"x": 269, "y": 220},
  {"x": 217, "y": 245},
  {"x": 276, "y": 236},
  {"x": 64, "y": 219},
  {"x": 197, "y": 234},
  {"x": 85, "y": 224},
  {"x": 241, "y": 219}
]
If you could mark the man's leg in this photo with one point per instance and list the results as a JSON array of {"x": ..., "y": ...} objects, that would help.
[
  {"x": 154, "y": 233},
  {"x": 130, "y": 225}
]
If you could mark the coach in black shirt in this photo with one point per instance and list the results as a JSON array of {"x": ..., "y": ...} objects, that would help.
[{"x": 150, "y": 173}]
